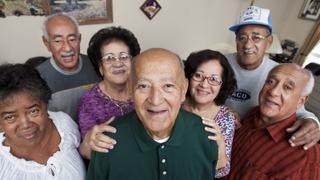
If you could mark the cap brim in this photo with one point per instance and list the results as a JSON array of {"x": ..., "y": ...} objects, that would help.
[{"x": 234, "y": 28}]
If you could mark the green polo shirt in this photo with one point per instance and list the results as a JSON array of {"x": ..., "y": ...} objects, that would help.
[{"x": 187, "y": 155}]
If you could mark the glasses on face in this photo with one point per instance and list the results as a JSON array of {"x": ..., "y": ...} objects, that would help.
[
  {"x": 256, "y": 38},
  {"x": 111, "y": 58},
  {"x": 212, "y": 80}
]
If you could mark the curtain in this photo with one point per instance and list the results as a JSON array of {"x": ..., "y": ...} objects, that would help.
[{"x": 309, "y": 43}]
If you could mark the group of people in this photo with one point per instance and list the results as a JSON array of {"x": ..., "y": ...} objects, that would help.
[{"x": 151, "y": 115}]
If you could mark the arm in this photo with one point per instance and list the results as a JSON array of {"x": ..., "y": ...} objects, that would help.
[
  {"x": 306, "y": 130},
  {"x": 96, "y": 140}
]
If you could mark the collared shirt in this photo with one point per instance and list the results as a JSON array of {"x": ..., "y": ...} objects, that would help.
[
  {"x": 264, "y": 152},
  {"x": 187, "y": 155}
]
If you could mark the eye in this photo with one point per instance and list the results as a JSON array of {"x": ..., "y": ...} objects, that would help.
[
  {"x": 197, "y": 76},
  {"x": 34, "y": 111},
  {"x": 124, "y": 56},
  {"x": 169, "y": 87},
  {"x": 242, "y": 38},
  {"x": 108, "y": 57},
  {"x": 9, "y": 118},
  {"x": 257, "y": 38},
  {"x": 72, "y": 39},
  {"x": 142, "y": 87},
  {"x": 270, "y": 81},
  {"x": 287, "y": 87}
]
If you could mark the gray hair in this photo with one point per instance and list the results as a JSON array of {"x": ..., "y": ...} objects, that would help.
[{"x": 48, "y": 18}]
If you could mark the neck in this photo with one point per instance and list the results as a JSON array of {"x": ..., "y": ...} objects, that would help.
[
  {"x": 248, "y": 66},
  {"x": 117, "y": 92},
  {"x": 208, "y": 110}
]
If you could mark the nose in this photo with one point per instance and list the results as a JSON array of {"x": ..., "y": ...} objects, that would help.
[
  {"x": 24, "y": 122},
  {"x": 66, "y": 45},
  {"x": 275, "y": 90},
  {"x": 204, "y": 83},
  {"x": 155, "y": 97}
]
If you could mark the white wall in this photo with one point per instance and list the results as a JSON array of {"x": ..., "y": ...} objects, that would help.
[{"x": 182, "y": 26}]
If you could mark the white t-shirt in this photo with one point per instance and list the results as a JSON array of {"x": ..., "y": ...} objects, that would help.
[
  {"x": 65, "y": 164},
  {"x": 250, "y": 82}
]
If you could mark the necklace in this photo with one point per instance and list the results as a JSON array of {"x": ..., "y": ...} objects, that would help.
[{"x": 115, "y": 103}]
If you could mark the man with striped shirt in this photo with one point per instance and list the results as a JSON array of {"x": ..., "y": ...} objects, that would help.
[{"x": 261, "y": 149}]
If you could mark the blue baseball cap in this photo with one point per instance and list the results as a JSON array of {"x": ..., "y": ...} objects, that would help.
[{"x": 254, "y": 15}]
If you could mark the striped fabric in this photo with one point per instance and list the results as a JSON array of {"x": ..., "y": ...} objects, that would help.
[{"x": 264, "y": 153}]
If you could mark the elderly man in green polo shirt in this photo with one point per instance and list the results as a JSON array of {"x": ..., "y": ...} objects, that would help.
[{"x": 158, "y": 140}]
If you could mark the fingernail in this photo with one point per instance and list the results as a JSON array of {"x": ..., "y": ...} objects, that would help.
[
  {"x": 293, "y": 138},
  {"x": 305, "y": 147},
  {"x": 111, "y": 147}
]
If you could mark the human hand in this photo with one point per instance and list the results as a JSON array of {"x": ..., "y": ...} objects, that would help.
[
  {"x": 307, "y": 133},
  {"x": 212, "y": 127},
  {"x": 96, "y": 140},
  {"x": 237, "y": 122}
]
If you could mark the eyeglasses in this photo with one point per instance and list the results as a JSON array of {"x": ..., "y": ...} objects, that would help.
[
  {"x": 111, "y": 58},
  {"x": 256, "y": 38},
  {"x": 212, "y": 80}
]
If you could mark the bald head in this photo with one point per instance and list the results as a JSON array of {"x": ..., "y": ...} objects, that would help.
[
  {"x": 286, "y": 89},
  {"x": 157, "y": 56}
]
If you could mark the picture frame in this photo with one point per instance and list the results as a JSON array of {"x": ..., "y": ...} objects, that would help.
[
  {"x": 150, "y": 8},
  {"x": 310, "y": 10},
  {"x": 85, "y": 11}
]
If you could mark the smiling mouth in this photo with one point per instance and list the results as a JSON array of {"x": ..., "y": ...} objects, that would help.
[
  {"x": 156, "y": 113},
  {"x": 118, "y": 71}
]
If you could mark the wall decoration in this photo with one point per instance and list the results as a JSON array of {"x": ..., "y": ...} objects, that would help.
[
  {"x": 85, "y": 11},
  {"x": 21, "y": 7},
  {"x": 310, "y": 10},
  {"x": 150, "y": 8}
]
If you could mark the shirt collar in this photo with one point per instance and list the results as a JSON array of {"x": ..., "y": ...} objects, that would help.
[
  {"x": 277, "y": 130},
  {"x": 55, "y": 66},
  {"x": 146, "y": 143}
]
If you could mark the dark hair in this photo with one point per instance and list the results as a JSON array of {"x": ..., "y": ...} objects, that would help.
[
  {"x": 229, "y": 82},
  {"x": 17, "y": 78},
  {"x": 36, "y": 61},
  {"x": 107, "y": 35}
]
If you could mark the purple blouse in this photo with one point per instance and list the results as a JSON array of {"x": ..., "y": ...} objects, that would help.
[{"x": 95, "y": 108}]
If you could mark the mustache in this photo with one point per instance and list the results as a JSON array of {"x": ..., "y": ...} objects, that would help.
[{"x": 67, "y": 54}]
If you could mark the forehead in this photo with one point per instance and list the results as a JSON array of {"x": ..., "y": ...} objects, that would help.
[
  {"x": 211, "y": 66},
  {"x": 157, "y": 66},
  {"x": 59, "y": 23},
  {"x": 17, "y": 101},
  {"x": 289, "y": 73},
  {"x": 114, "y": 46},
  {"x": 247, "y": 29}
]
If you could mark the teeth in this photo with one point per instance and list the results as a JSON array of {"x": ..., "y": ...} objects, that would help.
[
  {"x": 67, "y": 54},
  {"x": 249, "y": 51}
]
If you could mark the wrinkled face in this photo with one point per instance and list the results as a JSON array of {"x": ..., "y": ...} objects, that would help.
[
  {"x": 63, "y": 43},
  {"x": 250, "y": 53},
  {"x": 115, "y": 67},
  {"x": 158, "y": 91},
  {"x": 203, "y": 92},
  {"x": 23, "y": 119},
  {"x": 281, "y": 94}
]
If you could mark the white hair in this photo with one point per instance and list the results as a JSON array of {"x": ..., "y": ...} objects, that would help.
[
  {"x": 310, "y": 84},
  {"x": 48, "y": 18}
]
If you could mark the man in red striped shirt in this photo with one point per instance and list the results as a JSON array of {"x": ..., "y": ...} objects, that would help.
[{"x": 261, "y": 149}]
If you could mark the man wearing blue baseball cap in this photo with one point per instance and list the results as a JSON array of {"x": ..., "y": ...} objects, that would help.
[{"x": 253, "y": 37}]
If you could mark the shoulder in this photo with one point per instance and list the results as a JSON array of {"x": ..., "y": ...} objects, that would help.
[
  {"x": 63, "y": 122},
  {"x": 44, "y": 66}
]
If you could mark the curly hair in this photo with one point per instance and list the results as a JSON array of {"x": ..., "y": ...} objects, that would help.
[
  {"x": 18, "y": 78},
  {"x": 107, "y": 35},
  {"x": 229, "y": 82}
]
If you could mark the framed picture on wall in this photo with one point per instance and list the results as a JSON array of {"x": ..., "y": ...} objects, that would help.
[
  {"x": 85, "y": 11},
  {"x": 310, "y": 10},
  {"x": 150, "y": 8}
]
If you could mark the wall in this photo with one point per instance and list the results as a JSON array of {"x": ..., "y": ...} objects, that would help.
[{"x": 182, "y": 26}]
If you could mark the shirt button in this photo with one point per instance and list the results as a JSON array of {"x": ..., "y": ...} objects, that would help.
[
  {"x": 164, "y": 173},
  {"x": 162, "y": 147},
  {"x": 163, "y": 160}
]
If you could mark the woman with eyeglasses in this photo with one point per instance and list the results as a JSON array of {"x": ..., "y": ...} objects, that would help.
[
  {"x": 110, "y": 51},
  {"x": 211, "y": 82}
]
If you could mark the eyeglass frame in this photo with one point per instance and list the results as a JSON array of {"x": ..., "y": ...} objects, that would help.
[
  {"x": 114, "y": 58},
  {"x": 249, "y": 37},
  {"x": 203, "y": 78}
]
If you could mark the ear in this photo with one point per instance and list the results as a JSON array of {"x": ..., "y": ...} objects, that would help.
[
  {"x": 101, "y": 69},
  {"x": 79, "y": 37},
  {"x": 184, "y": 89},
  {"x": 302, "y": 101},
  {"x": 269, "y": 41},
  {"x": 46, "y": 43}
]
